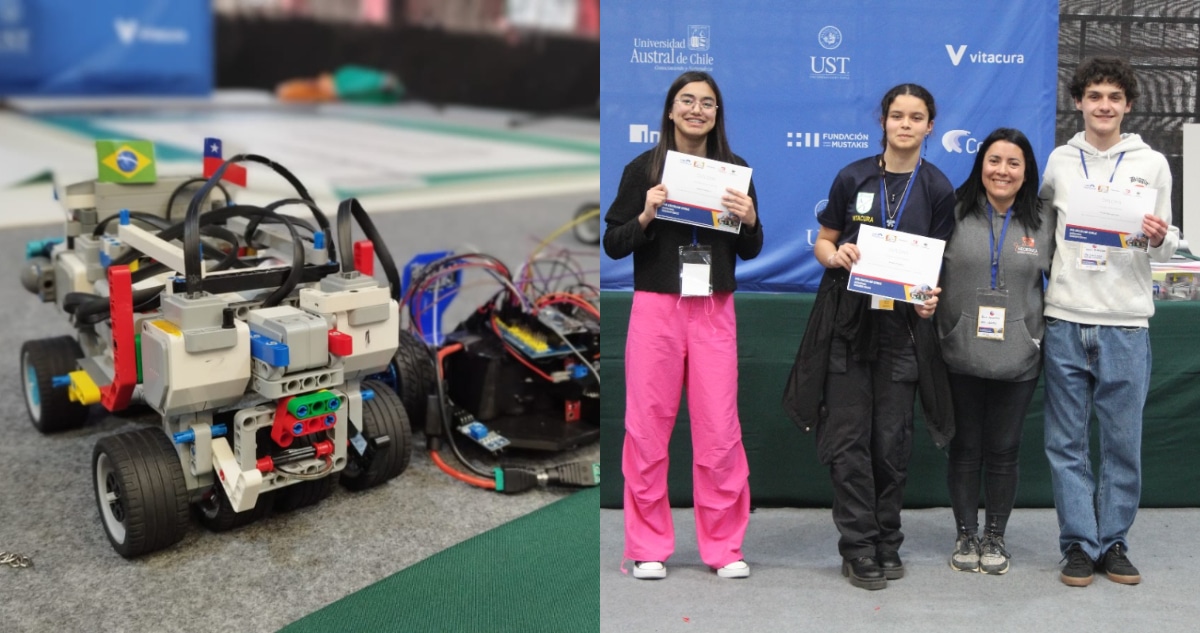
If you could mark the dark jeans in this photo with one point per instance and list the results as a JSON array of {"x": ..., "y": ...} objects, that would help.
[
  {"x": 988, "y": 416},
  {"x": 867, "y": 430}
]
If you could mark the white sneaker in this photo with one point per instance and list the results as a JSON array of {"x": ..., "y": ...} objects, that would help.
[
  {"x": 649, "y": 570},
  {"x": 736, "y": 569}
]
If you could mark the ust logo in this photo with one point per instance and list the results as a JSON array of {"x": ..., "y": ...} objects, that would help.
[
  {"x": 829, "y": 66},
  {"x": 698, "y": 37},
  {"x": 642, "y": 134},
  {"x": 830, "y": 37},
  {"x": 958, "y": 141},
  {"x": 956, "y": 54}
]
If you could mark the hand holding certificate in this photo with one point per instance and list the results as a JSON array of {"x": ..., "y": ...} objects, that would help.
[
  {"x": 1107, "y": 215},
  {"x": 694, "y": 190},
  {"x": 896, "y": 265}
]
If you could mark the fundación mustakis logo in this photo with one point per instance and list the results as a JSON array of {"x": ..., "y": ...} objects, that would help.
[
  {"x": 690, "y": 52},
  {"x": 979, "y": 57},
  {"x": 829, "y": 66},
  {"x": 829, "y": 140}
]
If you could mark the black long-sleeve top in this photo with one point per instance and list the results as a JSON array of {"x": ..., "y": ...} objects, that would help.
[{"x": 656, "y": 249}]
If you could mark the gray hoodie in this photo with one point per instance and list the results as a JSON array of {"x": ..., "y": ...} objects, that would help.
[
  {"x": 1121, "y": 294},
  {"x": 1025, "y": 257}
]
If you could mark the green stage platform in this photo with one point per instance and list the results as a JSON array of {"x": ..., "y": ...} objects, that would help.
[{"x": 784, "y": 470}]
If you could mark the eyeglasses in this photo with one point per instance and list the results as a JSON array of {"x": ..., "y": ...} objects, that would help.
[{"x": 708, "y": 105}]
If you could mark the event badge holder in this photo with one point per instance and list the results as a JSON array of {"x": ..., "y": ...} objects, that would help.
[
  {"x": 695, "y": 187},
  {"x": 993, "y": 301},
  {"x": 695, "y": 269}
]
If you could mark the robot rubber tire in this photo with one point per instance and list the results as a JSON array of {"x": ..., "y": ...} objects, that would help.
[
  {"x": 49, "y": 407},
  {"x": 140, "y": 491},
  {"x": 383, "y": 415}
]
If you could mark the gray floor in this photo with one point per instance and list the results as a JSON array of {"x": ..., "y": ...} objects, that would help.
[
  {"x": 795, "y": 582},
  {"x": 269, "y": 574}
]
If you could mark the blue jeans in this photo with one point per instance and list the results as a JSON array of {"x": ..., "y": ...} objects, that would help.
[{"x": 1107, "y": 368}]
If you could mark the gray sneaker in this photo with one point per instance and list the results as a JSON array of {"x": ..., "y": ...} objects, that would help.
[
  {"x": 993, "y": 558},
  {"x": 966, "y": 553}
]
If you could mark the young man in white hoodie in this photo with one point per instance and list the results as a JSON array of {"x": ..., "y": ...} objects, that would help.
[{"x": 1097, "y": 346}]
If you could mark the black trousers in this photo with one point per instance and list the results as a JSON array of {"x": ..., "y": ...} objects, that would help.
[
  {"x": 988, "y": 415},
  {"x": 867, "y": 436}
]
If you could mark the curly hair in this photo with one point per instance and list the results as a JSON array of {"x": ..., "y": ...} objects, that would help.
[{"x": 1097, "y": 70}]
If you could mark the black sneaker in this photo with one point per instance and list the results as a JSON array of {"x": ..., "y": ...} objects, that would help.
[
  {"x": 1078, "y": 570},
  {"x": 1117, "y": 567},
  {"x": 966, "y": 553},
  {"x": 993, "y": 558}
]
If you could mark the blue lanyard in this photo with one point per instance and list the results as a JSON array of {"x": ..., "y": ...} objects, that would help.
[
  {"x": 995, "y": 247},
  {"x": 903, "y": 201},
  {"x": 1110, "y": 176},
  {"x": 695, "y": 242}
]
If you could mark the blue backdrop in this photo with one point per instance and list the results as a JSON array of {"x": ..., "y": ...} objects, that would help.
[
  {"x": 802, "y": 83},
  {"x": 109, "y": 47}
]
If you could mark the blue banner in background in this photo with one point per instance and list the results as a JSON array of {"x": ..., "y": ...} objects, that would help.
[
  {"x": 114, "y": 47},
  {"x": 802, "y": 82}
]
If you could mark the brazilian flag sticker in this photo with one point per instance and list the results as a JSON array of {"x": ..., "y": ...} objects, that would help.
[{"x": 125, "y": 161}]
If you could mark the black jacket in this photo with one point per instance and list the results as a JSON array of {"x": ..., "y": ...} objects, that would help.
[{"x": 843, "y": 313}]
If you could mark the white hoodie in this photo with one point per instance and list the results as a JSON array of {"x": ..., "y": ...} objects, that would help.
[{"x": 1122, "y": 293}]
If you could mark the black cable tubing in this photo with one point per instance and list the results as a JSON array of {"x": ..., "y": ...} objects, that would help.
[
  {"x": 192, "y": 181},
  {"x": 351, "y": 207},
  {"x": 193, "y": 277}
]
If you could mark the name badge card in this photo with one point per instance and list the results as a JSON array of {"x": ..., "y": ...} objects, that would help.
[
  {"x": 1105, "y": 214},
  {"x": 695, "y": 187},
  {"x": 896, "y": 265}
]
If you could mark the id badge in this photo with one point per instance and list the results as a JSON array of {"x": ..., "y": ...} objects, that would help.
[
  {"x": 695, "y": 270},
  {"x": 989, "y": 322},
  {"x": 882, "y": 303},
  {"x": 1092, "y": 257}
]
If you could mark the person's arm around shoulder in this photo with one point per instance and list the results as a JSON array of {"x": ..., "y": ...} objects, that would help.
[{"x": 631, "y": 212}]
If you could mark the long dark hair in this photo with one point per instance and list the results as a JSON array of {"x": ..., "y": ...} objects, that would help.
[
  {"x": 717, "y": 145},
  {"x": 1027, "y": 206},
  {"x": 915, "y": 90}
]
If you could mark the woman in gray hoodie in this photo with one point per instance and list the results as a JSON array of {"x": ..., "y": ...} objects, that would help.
[{"x": 991, "y": 327}]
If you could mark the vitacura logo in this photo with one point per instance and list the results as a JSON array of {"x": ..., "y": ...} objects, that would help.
[
  {"x": 130, "y": 31},
  {"x": 672, "y": 53},
  {"x": 642, "y": 134},
  {"x": 830, "y": 37},
  {"x": 953, "y": 142},
  {"x": 980, "y": 57},
  {"x": 829, "y": 66}
]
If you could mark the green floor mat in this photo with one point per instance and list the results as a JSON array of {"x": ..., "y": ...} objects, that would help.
[{"x": 539, "y": 572}]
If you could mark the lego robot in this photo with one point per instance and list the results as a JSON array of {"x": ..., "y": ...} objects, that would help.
[{"x": 238, "y": 327}]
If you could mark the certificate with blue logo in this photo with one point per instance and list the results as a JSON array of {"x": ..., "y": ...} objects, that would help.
[
  {"x": 896, "y": 265},
  {"x": 695, "y": 187},
  {"x": 1104, "y": 214}
]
